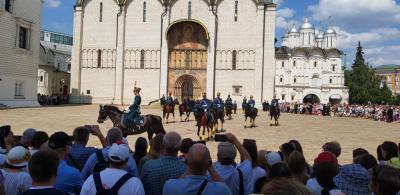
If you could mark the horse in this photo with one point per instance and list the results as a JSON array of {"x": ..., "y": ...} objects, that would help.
[
  {"x": 250, "y": 112},
  {"x": 228, "y": 111},
  {"x": 219, "y": 114},
  {"x": 274, "y": 112},
  {"x": 203, "y": 121},
  {"x": 152, "y": 123},
  {"x": 185, "y": 108},
  {"x": 169, "y": 108}
]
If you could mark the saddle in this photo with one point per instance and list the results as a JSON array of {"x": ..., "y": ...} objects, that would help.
[
  {"x": 209, "y": 116},
  {"x": 133, "y": 124}
]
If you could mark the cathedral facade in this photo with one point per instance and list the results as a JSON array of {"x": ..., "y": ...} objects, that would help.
[
  {"x": 309, "y": 66},
  {"x": 183, "y": 47},
  {"x": 186, "y": 47}
]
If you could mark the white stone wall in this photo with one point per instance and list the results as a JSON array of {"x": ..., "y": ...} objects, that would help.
[{"x": 19, "y": 65}]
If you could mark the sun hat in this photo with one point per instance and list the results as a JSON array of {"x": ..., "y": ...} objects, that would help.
[
  {"x": 326, "y": 157},
  {"x": 226, "y": 150},
  {"x": 353, "y": 179},
  {"x": 118, "y": 152},
  {"x": 18, "y": 157},
  {"x": 59, "y": 139},
  {"x": 273, "y": 158}
]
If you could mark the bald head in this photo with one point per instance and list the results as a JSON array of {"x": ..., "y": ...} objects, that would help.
[
  {"x": 114, "y": 135},
  {"x": 172, "y": 143},
  {"x": 199, "y": 159}
]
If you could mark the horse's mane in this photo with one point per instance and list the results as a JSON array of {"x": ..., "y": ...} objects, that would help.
[{"x": 114, "y": 108}]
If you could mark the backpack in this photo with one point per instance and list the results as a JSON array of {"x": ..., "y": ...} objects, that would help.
[
  {"x": 74, "y": 163},
  {"x": 112, "y": 191},
  {"x": 101, "y": 162}
]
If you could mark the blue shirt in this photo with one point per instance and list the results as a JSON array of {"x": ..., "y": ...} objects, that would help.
[
  {"x": 156, "y": 172},
  {"x": 92, "y": 161},
  {"x": 191, "y": 185},
  {"x": 230, "y": 175},
  {"x": 80, "y": 154},
  {"x": 68, "y": 180}
]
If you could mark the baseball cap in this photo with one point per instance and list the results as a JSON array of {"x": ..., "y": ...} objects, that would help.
[
  {"x": 326, "y": 157},
  {"x": 18, "y": 157},
  {"x": 273, "y": 158},
  {"x": 59, "y": 139},
  {"x": 118, "y": 152},
  {"x": 226, "y": 150}
]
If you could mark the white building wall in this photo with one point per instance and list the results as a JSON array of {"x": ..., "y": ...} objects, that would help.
[{"x": 19, "y": 65}]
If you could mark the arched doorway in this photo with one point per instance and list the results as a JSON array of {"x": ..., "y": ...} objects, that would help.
[
  {"x": 335, "y": 99},
  {"x": 311, "y": 98},
  {"x": 187, "y": 58}
]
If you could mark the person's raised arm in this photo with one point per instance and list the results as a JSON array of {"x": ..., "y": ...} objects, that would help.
[
  {"x": 244, "y": 155},
  {"x": 96, "y": 131}
]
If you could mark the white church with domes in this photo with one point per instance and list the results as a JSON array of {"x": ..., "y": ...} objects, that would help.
[
  {"x": 309, "y": 66},
  {"x": 186, "y": 47}
]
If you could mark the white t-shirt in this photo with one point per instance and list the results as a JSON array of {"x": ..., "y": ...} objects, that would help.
[
  {"x": 109, "y": 177},
  {"x": 16, "y": 182},
  {"x": 313, "y": 186}
]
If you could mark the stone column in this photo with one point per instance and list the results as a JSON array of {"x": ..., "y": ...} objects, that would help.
[
  {"x": 119, "y": 66},
  {"x": 76, "y": 57},
  {"x": 164, "y": 57},
  {"x": 269, "y": 53},
  {"x": 258, "y": 75},
  {"x": 210, "y": 65}
]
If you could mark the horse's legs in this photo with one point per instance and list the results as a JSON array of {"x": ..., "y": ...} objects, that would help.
[
  {"x": 245, "y": 121},
  {"x": 198, "y": 130},
  {"x": 222, "y": 126},
  {"x": 204, "y": 130},
  {"x": 150, "y": 135}
]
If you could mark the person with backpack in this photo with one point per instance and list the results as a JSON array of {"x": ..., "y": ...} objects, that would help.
[
  {"x": 99, "y": 160},
  {"x": 114, "y": 179},
  {"x": 237, "y": 176},
  {"x": 195, "y": 181}
]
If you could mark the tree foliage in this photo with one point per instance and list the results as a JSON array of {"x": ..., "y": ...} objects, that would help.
[{"x": 364, "y": 85}]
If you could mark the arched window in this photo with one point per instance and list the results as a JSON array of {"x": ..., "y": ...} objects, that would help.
[
  {"x": 315, "y": 64},
  {"x": 144, "y": 11},
  {"x": 281, "y": 79},
  {"x": 294, "y": 80},
  {"x": 99, "y": 58},
  {"x": 294, "y": 63},
  {"x": 190, "y": 9},
  {"x": 236, "y": 10},
  {"x": 8, "y": 6},
  {"x": 283, "y": 64},
  {"x": 283, "y": 97},
  {"x": 234, "y": 57},
  {"x": 142, "y": 56},
  {"x": 101, "y": 12},
  {"x": 330, "y": 80}
]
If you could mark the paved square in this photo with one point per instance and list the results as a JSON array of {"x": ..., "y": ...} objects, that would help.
[{"x": 311, "y": 131}]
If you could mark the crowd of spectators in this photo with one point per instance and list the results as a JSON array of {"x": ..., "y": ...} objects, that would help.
[
  {"x": 55, "y": 99},
  {"x": 385, "y": 113},
  {"x": 61, "y": 164}
]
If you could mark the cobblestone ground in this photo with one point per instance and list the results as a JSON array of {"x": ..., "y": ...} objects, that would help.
[{"x": 311, "y": 131}]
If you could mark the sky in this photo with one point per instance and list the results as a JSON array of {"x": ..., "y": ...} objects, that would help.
[{"x": 376, "y": 23}]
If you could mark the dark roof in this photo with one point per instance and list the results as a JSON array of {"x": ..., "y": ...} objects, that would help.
[
  {"x": 387, "y": 67},
  {"x": 285, "y": 52}
]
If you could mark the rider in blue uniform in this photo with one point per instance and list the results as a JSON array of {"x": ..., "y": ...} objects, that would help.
[
  {"x": 251, "y": 102},
  {"x": 162, "y": 100},
  {"x": 134, "y": 110},
  {"x": 229, "y": 101},
  {"x": 274, "y": 102},
  {"x": 170, "y": 100},
  {"x": 205, "y": 103},
  {"x": 218, "y": 101}
]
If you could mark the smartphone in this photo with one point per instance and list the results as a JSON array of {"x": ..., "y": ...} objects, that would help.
[{"x": 220, "y": 138}]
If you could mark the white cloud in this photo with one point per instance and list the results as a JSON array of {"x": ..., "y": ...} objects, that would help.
[
  {"x": 383, "y": 55},
  {"x": 347, "y": 40},
  {"x": 285, "y": 18},
  {"x": 358, "y": 14},
  {"x": 278, "y": 2},
  {"x": 53, "y": 3}
]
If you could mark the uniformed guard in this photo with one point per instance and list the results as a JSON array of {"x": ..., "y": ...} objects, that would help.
[
  {"x": 251, "y": 102},
  {"x": 218, "y": 101},
  {"x": 228, "y": 100},
  {"x": 134, "y": 110},
  {"x": 170, "y": 100},
  {"x": 244, "y": 103},
  {"x": 205, "y": 103}
]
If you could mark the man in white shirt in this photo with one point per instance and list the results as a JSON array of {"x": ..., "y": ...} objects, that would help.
[{"x": 114, "y": 179}]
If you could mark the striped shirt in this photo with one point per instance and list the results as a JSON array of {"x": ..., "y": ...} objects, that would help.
[{"x": 16, "y": 182}]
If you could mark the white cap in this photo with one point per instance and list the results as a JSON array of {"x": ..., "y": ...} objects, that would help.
[
  {"x": 18, "y": 156},
  {"x": 118, "y": 152},
  {"x": 273, "y": 158}
]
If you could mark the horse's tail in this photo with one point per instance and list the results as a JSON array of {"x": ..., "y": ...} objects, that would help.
[{"x": 157, "y": 122}]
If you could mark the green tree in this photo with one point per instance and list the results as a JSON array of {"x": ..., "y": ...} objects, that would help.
[{"x": 364, "y": 85}]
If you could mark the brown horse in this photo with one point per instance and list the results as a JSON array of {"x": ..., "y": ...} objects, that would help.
[
  {"x": 250, "y": 112},
  {"x": 203, "y": 121},
  {"x": 184, "y": 109},
  {"x": 228, "y": 111},
  {"x": 169, "y": 108},
  {"x": 152, "y": 123},
  {"x": 218, "y": 115}
]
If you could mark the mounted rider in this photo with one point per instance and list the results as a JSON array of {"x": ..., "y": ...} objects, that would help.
[
  {"x": 170, "y": 101},
  {"x": 218, "y": 101},
  {"x": 163, "y": 100},
  {"x": 244, "y": 103},
  {"x": 131, "y": 117},
  {"x": 251, "y": 102},
  {"x": 274, "y": 102},
  {"x": 229, "y": 101}
]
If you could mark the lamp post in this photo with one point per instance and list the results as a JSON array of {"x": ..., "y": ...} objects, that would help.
[{"x": 213, "y": 4}]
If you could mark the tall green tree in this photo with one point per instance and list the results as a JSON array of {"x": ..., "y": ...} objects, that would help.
[{"x": 364, "y": 85}]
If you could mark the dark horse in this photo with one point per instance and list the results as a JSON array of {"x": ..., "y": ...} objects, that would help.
[
  {"x": 219, "y": 114},
  {"x": 152, "y": 123},
  {"x": 228, "y": 110},
  {"x": 205, "y": 122},
  {"x": 274, "y": 112},
  {"x": 169, "y": 108},
  {"x": 250, "y": 112},
  {"x": 185, "y": 108}
]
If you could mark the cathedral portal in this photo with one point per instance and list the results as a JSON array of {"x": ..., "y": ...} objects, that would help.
[{"x": 187, "y": 58}]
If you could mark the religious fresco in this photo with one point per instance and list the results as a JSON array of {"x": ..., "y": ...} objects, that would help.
[{"x": 187, "y": 35}]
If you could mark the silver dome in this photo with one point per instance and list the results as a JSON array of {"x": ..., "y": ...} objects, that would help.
[
  {"x": 330, "y": 31},
  {"x": 294, "y": 29},
  {"x": 307, "y": 25},
  {"x": 320, "y": 36}
]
